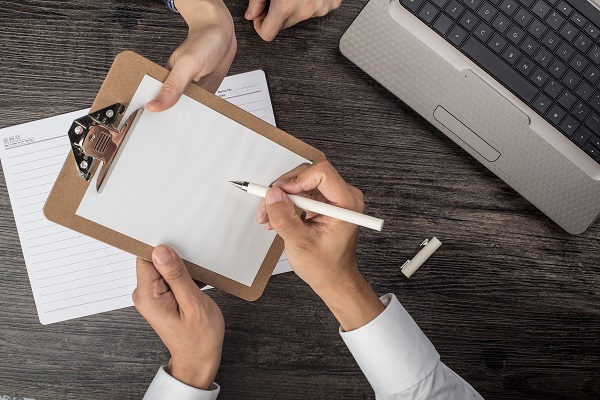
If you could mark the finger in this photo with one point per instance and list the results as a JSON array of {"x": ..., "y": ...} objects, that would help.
[
  {"x": 262, "y": 217},
  {"x": 306, "y": 13},
  {"x": 282, "y": 216},
  {"x": 269, "y": 26},
  {"x": 261, "y": 214},
  {"x": 180, "y": 77},
  {"x": 173, "y": 270},
  {"x": 298, "y": 17},
  {"x": 170, "y": 62},
  {"x": 259, "y": 20},
  {"x": 290, "y": 174},
  {"x": 255, "y": 8},
  {"x": 151, "y": 297},
  {"x": 335, "y": 4},
  {"x": 326, "y": 7},
  {"x": 148, "y": 280},
  {"x": 325, "y": 178}
]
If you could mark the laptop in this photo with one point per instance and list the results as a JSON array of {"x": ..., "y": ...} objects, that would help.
[{"x": 516, "y": 83}]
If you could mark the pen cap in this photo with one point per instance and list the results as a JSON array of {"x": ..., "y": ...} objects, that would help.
[{"x": 412, "y": 265}]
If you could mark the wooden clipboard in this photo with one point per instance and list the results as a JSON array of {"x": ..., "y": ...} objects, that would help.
[{"x": 119, "y": 86}]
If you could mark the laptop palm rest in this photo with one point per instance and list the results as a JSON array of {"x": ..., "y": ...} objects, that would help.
[{"x": 465, "y": 134}]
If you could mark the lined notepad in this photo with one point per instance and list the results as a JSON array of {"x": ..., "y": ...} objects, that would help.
[{"x": 71, "y": 274}]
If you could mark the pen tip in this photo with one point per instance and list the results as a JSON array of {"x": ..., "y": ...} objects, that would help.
[{"x": 237, "y": 184}]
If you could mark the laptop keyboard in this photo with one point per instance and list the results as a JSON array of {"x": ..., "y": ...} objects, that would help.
[{"x": 544, "y": 51}]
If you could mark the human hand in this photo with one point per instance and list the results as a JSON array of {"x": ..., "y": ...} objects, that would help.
[
  {"x": 204, "y": 56},
  {"x": 187, "y": 320},
  {"x": 282, "y": 14},
  {"x": 320, "y": 249}
]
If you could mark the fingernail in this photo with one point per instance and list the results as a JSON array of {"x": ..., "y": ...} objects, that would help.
[
  {"x": 162, "y": 255},
  {"x": 274, "y": 196},
  {"x": 278, "y": 183},
  {"x": 248, "y": 14},
  {"x": 155, "y": 103}
]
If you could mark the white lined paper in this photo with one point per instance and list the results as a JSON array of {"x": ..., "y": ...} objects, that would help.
[
  {"x": 62, "y": 264},
  {"x": 71, "y": 274}
]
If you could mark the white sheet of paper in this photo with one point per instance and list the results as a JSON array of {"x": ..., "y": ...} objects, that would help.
[
  {"x": 170, "y": 184},
  {"x": 72, "y": 275},
  {"x": 249, "y": 92}
]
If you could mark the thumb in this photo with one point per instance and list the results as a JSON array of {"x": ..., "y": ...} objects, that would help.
[
  {"x": 180, "y": 77},
  {"x": 255, "y": 8},
  {"x": 282, "y": 215},
  {"x": 171, "y": 267},
  {"x": 269, "y": 27}
]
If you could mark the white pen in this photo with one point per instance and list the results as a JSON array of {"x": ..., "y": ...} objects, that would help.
[{"x": 317, "y": 207}]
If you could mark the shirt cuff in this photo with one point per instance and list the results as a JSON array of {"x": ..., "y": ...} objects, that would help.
[
  {"x": 171, "y": 5},
  {"x": 164, "y": 386},
  {"x": 392, "y": 351}
]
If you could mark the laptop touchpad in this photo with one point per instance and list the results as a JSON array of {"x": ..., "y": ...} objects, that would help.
[{"x": 465, "y": 134}]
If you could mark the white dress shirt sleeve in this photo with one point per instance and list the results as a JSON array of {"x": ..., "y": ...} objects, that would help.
[
  {"x": 165, "y": 387},
  {"x": 400, "y": 362}
]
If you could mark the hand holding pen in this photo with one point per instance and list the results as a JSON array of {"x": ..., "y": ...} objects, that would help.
[
  {"x": 320, "y": 249},
  {"x": 317, "y": 207}
]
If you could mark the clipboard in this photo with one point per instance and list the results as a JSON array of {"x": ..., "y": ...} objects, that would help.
[{"x": 119, "y": 86}]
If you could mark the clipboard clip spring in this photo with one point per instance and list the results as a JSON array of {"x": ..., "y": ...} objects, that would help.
[{"x": 95, "y": 138}]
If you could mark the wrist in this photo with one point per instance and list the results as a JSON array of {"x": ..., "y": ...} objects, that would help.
[
  {"x": 197, "y": 373},
  {"x": 200, "y": 11},
  {"x": 353, "y": 302}
]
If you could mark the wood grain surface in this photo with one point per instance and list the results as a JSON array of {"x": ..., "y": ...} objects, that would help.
[{"x": 511, "y": 302}]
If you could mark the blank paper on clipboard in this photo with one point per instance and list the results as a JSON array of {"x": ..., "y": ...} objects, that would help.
[{"x": 170, "y": 184}]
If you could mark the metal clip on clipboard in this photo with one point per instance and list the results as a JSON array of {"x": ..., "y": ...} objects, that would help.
[{"x": 94, "y": 138}]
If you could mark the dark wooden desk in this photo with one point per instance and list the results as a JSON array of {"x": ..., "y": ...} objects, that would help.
[{"x": 511, "y": 302}]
